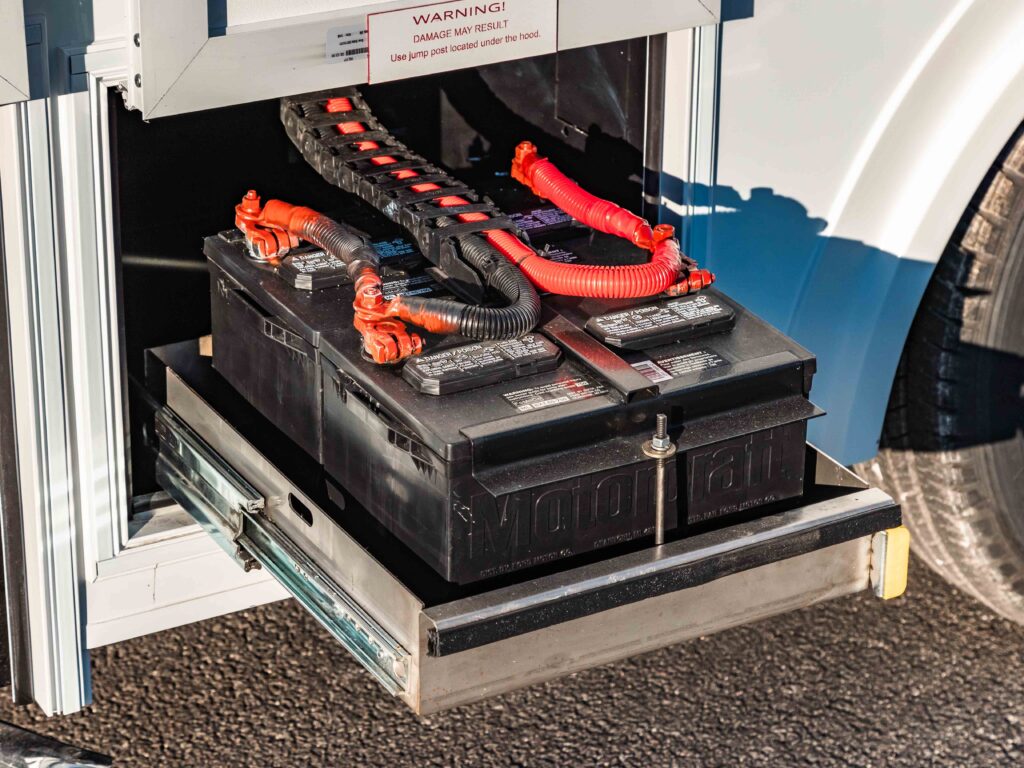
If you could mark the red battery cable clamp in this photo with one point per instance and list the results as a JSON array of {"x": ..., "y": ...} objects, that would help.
[{"x": 274, "y": 229}]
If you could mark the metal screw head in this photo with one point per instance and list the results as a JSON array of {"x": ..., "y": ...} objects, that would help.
[
  {"x": 398, "y": 669},
  {"x": 137, "y": 40},
  {"x": 138, "y": 81}
]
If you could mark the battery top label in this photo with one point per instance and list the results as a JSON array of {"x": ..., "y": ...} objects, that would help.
[
  {"x": 315, "y": 261},
  {"x": 662, "y": 322},
  {"x": 672, "y": 366},
  {"x": 394, "y": 248},
  {"x": 481, "y": 363},
  {"x": 565, "y": 390},
  {"x": 412, "y": 285},
  {"x": 548, "y": 217},
  {"x": 312, "y": 269}
]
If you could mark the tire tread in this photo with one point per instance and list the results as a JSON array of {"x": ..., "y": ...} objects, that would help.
[{"x": 954, "y": 517}]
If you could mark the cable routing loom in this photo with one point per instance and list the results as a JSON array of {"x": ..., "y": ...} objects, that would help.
[{"x": 454, "y": 227}]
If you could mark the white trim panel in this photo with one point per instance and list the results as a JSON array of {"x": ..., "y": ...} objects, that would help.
[
  {"x": 13, "y": 54},
  {"x": 169, "y": 583},
  {"x": 177, "y": 67}
]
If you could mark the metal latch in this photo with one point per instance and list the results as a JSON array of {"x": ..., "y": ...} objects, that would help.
[{"x": 209, "y": 490}]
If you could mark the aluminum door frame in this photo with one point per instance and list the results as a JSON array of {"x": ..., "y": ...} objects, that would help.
[{"x": 66, "y": 366}]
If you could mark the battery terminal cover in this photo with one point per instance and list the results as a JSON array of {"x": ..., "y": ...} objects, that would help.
[{"x": 476, "y": 365}]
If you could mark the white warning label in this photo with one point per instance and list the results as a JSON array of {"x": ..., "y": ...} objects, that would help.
[
  {"x": 458, "y": 34},
  {"x": 568, "y": 389},
  {"x": 691, "y": 362},
  {"x": 652, "y": 371}
]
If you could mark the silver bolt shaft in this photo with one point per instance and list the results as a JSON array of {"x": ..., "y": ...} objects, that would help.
[
  {"x": 660, "y": 441},
  {"x": 659, "y": 502},
  {"x": 661, "y": 448}
]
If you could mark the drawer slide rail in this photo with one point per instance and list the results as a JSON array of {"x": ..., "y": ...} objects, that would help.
[{"x": 234, "y": 513}]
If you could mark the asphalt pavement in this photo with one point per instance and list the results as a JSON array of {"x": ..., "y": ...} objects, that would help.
[{"x": 930, "y": 679}]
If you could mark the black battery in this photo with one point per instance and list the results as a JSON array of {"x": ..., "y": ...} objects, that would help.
[{"x": 489, "y": 457}]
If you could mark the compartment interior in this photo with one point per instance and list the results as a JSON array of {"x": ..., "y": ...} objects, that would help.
[{"x": 178, "y": 179}]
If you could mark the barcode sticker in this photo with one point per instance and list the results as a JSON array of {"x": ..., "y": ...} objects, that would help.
[
  {"x": 347, "y": 43},
  {"x": 655, "y": 373}
]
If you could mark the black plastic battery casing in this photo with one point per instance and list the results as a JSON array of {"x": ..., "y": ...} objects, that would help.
[{"x": 518, "y": 471}]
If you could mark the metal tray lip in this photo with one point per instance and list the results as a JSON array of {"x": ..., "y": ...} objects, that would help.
[{"x": 479, "y": 619}]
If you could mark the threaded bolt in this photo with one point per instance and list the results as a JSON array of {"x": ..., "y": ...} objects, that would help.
[{"x": 661, "y": 441}]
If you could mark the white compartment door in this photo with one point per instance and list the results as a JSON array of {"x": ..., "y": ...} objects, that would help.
[{"x": 193, "y": 54}]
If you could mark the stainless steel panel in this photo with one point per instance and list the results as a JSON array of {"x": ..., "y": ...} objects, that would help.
[
  {"x": 643, "y": 626},
  {"x": 681, "y": 564}
]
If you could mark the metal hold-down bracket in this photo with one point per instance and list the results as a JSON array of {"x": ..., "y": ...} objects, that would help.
[
  {"x": 231, "y": 510},
  {"x": 661, "y": 448}
]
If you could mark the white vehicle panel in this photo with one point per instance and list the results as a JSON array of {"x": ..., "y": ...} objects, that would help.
[
  {"x": 851, "y": 138},
  {"x": 804, "y": 85}
]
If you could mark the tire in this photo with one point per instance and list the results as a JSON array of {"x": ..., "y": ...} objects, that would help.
[{"x": 952, "y": 451}]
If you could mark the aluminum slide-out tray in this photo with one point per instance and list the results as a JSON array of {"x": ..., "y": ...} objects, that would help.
[{"x": 438, "y": 645}]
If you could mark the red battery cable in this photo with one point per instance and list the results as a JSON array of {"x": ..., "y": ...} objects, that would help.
[{"x": 660, "y": 274}]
